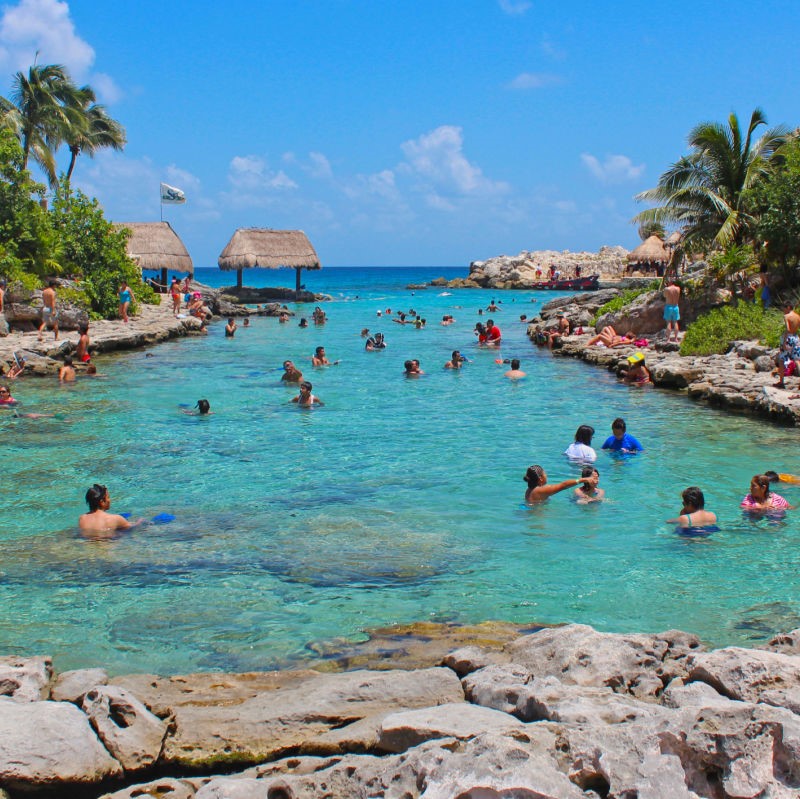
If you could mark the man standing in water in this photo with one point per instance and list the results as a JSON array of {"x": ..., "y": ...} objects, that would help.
[
  {"x": 49, "y": 315},
  {"x": 672, "y": 314}
]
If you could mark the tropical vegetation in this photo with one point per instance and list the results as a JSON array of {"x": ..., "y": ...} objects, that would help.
[
  {"x": 714, "y": 331},
  {"x": 44, "y": 112}
]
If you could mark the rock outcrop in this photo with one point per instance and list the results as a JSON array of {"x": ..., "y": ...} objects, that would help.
[
  {"x": 562, "y": 712},
  {"x": 519, "y": 271}
]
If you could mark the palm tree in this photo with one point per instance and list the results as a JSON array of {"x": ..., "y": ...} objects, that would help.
[
  {"x": 703, "y": 192},
  {"x": 94, "y": 131},
  {"x": 43, "y": 105}
]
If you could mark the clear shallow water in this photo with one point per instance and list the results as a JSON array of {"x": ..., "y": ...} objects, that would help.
[{"x": 400, "y": 500}]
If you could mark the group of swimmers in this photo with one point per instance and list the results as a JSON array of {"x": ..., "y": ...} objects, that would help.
[{"x": 693, "y": 515}]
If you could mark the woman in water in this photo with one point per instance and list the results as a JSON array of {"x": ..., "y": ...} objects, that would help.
[
  {"x": 761, "y": 498},
  {"x": 693, "y": 512},
  {"x": 581, "y": 448},
  {"x": 539, "y": 489},
  {"x": 125, "y": 299},
  {"x": 589, "y": 492}
]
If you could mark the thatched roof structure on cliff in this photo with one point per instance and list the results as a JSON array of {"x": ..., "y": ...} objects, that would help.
[
  {"x": 271, "y": 249},
  {"x": 155, "y": 245},
  {"x": 651, "y": 251}
]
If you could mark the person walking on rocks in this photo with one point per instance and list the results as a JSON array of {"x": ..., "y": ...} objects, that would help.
[
  {"x": 49, "y": 313},
  {"x": 788, "y": 360},
  {"x": 175, "y": 293},
  {"x": 672, "y": 313},
  {"x": 125, "y": 299}
]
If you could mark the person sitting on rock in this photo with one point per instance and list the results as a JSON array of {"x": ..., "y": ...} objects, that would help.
[
  {"x": 788, "y": 360},
  {"x": 17, "y": 368},
  {"x": 637, "y": 373}
]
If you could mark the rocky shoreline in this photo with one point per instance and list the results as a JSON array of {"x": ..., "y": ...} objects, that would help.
[
  {"x": 740, "y": 380},
  {"x": 561, "y": 712}
]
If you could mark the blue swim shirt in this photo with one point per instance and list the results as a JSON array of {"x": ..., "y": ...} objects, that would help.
[{"x": 626, "y": 442}]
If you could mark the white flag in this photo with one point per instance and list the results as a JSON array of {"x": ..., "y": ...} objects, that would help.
[{"x": 171, "y": 196}]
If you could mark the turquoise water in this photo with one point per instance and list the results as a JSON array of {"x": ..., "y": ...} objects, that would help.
[{"x": 400, "y": 500}]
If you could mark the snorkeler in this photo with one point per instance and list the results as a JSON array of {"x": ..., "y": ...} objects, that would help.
[
  {"x": 98, "y": 519},
  {"x": 203, "y": 408},
  {"x": 693, "y": 512}
]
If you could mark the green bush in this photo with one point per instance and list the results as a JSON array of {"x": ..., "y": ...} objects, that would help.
[
  {"x": 626, "y": 298},
  {"x": 714, "y": 331}
]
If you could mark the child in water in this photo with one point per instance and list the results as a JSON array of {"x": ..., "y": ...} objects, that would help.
[
  {"x": 588, "y": 491},
  {"x": 98, "y": 522}
]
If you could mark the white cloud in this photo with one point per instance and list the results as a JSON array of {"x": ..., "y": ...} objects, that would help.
[
  {"x": 615, "y": 169},
  {"x": 437, "y": 160},
  {"x": 534, "y": 80},
  {"x": 552, "y": 50},
  {"x": 320, "y": 166},
  {"x": 514, "y": 7},
  {"x": 42, "y": 26},
  {"x": 43, "y": 32}
]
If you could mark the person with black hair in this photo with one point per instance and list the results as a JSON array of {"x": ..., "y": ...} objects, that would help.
[
  {"x": 581, "y": 448},
  {"x": 693, "y": 512},
  {"x": 539, "y": 489},
  {"x": 589, "y": 491},
  {"x": 621, "y": 440},
  {"x": 98, "y": 522}
]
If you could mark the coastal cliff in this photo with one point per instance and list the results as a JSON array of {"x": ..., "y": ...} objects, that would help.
[{"x": 562, "y": 712}]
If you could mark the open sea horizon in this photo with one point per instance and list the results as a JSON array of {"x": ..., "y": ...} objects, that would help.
[{"x": 400, "y": 500}]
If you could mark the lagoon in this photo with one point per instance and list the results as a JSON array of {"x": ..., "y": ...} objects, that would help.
[{"x": 400, "y": 500}]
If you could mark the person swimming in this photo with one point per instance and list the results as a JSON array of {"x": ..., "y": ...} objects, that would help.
[
  {"x": 693, "y": 514},
  {"x": 305, "y": 398},
  {"x": 589, "y": 491},
  {"x": 98, "y": 522},
  {"x": 581, "y": 447},
  {"x": 539, "y": 489},
  {"x": 202, "y": 408}
]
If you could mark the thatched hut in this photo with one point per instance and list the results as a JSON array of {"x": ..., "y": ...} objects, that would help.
[
  {"x": 269, "y": 249},
  {"x": 155, "y": 245},
  {"x": 650, "y": 254}
]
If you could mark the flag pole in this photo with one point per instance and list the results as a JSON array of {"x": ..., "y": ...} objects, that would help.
[{"x": 161, "y": 201}]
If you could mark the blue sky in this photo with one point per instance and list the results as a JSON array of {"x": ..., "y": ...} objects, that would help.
[{"x": 407, "y": 132}]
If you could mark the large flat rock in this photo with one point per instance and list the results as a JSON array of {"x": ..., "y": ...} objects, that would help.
[
  {"x": 47, "y": 743},
  {"x": 297, "y": 716}
]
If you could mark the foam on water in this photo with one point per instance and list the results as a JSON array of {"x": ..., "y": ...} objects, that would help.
[{"x": 398, "y": 501}]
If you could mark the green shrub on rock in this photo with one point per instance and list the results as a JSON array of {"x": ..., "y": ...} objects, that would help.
[
  {"x": 626, "y": 298},
  {"x": 712, "y": 333}
]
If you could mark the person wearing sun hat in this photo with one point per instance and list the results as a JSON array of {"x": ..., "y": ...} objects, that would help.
[{"x": 636, "y": 373}]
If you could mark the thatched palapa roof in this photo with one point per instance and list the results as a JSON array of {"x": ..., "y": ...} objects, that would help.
[
  {"x": 252, "y": 246},
  {"x": 155, "y": 245},
  {"x": 651, "y": 251}
]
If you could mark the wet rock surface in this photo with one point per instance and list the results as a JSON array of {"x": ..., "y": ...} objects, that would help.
[{"x": 562, "y": 712}]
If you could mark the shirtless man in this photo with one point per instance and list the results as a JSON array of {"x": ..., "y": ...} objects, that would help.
[
  {"x": 82, "y": 350},
  {"x": 230, "y": 328},
  {"x": 672, "y": 314},
  {"x": 49, "y": 315},
  {"x": 319, "y": 358},
  {"x": 98, "y": 522},
  {"x": 788, "y": 360},
  {"x": 514, "y": 373},
  {"x": 66, "y": 374},
  {"x": 291, "y": 374}
]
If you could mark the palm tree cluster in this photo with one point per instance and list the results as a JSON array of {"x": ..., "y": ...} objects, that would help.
[
  {"x": 705, "y": 193},
  {"x": 46, "y": 110}
]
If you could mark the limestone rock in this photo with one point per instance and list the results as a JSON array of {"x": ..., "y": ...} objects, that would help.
[
  {"x": 130, "y": 732},
  {"x": 47, "y": 743},
  {"x": 496, "y": 686},
  {"x": 468, "y": 659},
  {"x": 166, "y": 788},
  {"x": 694, "y": 694},
  {"x": 401, "y": 731},
  {"x": 297, "y": 716},
  {"x": 579, "y": 655},
  {"x": 550, "y": 700},
  {"x": 787, "y": 643},
  {"x": 70, "y": 686},
  {"x": 26, "y": 679},
  {"x": 746, "y": 673}
]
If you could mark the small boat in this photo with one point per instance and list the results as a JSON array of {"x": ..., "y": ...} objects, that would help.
[{"x": 589, "y": 283}]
